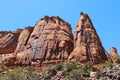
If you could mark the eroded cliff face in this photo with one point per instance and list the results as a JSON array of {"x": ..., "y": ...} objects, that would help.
[
  {"x": 23, "y": 39},
  {"x": 51, "y": 39},
  {"x": 87, "y": 44},
  {"x": 8, "y": 42}
]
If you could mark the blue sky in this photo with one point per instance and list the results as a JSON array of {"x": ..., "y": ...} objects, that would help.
[{"x": 105, "y": 15}]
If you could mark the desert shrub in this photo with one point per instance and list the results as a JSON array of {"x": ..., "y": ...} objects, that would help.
[
  {"x": 76, "y": 74},
  {"x": 70, "y": 66},
  {"x": 105, "y": 65},
  {"x": 82, "y": 71},
  {"x": 18, "y": 73},
  {"x": 66, "y": 66},
  {"x": 72, "y": 70},
  {"x": 59, "y": 66},
  {"x": 87, "y": 67}
]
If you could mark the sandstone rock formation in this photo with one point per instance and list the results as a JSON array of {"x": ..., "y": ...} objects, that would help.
[
  {"x": 51, "y": 39},
  {"x": 8, "y": 41},
  {"x": 87, "y": 44},
  {"x": 113, "y": 54},
  {"x": 23, "y": 38}
]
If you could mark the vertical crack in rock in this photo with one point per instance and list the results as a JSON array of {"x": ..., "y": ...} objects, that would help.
[{"x": 23, "y": 39}]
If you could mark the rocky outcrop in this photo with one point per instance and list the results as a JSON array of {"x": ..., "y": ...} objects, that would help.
[
  {"x": 111, "y": 73},
  {"x": 23, "y": 39},
  {"x": 8, "y": 42},
  {"x": 51, "y": 39},
  {"x": 87, "y": 44},
  {"x": 113, "y": 54}
]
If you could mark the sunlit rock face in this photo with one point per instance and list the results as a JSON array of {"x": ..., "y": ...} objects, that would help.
[
  {"x": 51, "y": 39},
  {"x": 87, "y": 44},
  {"x": 113, "y": 54},
  {"x": 23, "y": 39},
  {"x": 8, "y": 41}
]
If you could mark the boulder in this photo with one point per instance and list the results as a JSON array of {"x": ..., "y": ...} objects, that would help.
[{"x": 93, "y": 74}]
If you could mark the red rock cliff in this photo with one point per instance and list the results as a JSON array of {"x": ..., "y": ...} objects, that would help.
[
  {"x": 23, "y": 39},
  {"x": 8, "y": 41},
  {"x": 87, "y": 44},
  {"x": 51, "y": 39}
]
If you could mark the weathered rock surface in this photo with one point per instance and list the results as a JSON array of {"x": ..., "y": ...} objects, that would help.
[
  {"x": 113, "y": 54},
  {"x": 23, "y": 39},
  {"x": 87, "y": 44},
  {"x": 51, "y": 39},
  {"x": 8, "y": 41}
]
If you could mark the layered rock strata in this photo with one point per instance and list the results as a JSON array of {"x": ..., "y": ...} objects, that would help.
[
  {"x": 23, "y": 39},
  {"x": 8, "y": 42},
  {"x": 51, "y": 39},
  {"x": 87, "y": 44}
]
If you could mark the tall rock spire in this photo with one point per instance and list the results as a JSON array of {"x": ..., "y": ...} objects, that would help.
[{"x": 87, "y": 44}]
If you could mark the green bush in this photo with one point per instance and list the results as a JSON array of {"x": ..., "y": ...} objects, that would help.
[
  {"x": 59, "y": 66},
  {"x": 76, "y": 74},
  {"x": 72, "y": 70},
  {"x": 87, "y": 67},
  {"x": 70, "y": 66},
  {"x": 105, "y": 65},
  {"x": 19, "y": 73}
]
